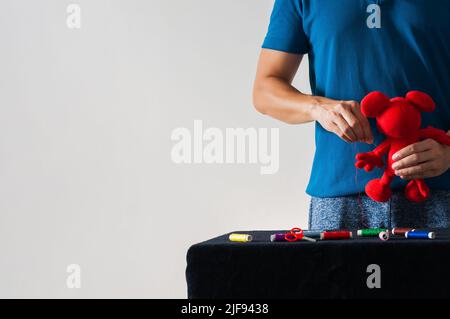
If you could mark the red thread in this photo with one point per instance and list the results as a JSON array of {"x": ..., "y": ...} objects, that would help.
[
  {"x": 336, "y": 235},
  {"x": 401, "y": 231},
  {"x": 362, "y": 216}
]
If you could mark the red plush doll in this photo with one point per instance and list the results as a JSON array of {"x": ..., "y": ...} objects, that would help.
[{"x": 399, "y": 119}]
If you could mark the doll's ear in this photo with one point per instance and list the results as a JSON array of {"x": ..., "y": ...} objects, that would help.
[
  {"x": 421, "y": 100},
  {"x": 374, "y": 104}
]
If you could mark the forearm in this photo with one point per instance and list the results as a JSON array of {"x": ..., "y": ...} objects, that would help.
[{"x": 279, "y": 99}]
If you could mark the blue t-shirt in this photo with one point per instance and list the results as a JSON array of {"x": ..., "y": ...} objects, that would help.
[{"x": 410, "y": 51}]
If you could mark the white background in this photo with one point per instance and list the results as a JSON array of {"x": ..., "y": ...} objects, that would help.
[{"x": 86, "y": 117}]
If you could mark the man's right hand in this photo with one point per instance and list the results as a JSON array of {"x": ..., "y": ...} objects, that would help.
[
  {"x": 344, "y": 118},
  {"x": 275, "y": 96}
]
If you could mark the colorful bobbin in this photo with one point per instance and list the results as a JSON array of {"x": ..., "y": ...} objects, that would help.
[
  {"x": 312, "y": 234},
  {"x": 401, "y": 231},
  {"x": 277, "y": 237},
  {"x": 420, "y": 234},
  {"x": 333, "y": 235},
  {"x": 241, "y": 238},
  {"x": 384, "y": 236},
  {"x": 371, "y": 232}
]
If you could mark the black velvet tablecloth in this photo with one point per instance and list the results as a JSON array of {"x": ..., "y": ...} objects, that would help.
[{"x": 409, "y": 268}]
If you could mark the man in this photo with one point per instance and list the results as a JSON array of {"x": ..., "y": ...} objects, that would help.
[{"x": 355, "y": 47}]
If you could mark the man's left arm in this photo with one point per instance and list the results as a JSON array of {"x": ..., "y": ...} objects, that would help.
[{"x": 424, "y": 159}]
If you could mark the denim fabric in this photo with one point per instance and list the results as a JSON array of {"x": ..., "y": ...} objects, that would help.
[{"x": 359, "y": 211}]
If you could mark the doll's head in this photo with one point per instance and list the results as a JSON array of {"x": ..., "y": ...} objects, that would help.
[{"x": 398, "y": 117}]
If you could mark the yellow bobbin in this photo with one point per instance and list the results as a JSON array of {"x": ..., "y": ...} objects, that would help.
[{"x": 242, "y": 238}]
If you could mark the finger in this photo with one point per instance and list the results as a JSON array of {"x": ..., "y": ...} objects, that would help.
[
  {"x": 368, "y": 167},
  {"x": 353, "y": 121},
  {"x": 364, "y": 123},
  {"x": 413, "y": 160},
  {"x": 345, "y": 129},
  {"x": 422, "y": 175},
  {"x": 336, "y": 130},
  {"x": 415, "y": 170},
  {"x": 413, "y": 148},
  {"x": 426, "y": 174}
]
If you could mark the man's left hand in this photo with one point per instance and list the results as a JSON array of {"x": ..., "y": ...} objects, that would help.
[{"x": 424, "y": 159}]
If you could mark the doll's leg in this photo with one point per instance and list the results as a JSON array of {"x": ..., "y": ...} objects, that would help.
[
  {"x": 379, "y": 189},
  {"x": 417, "y": 190}
]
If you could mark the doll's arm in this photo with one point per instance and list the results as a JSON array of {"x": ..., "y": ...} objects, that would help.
[
  {"x": 439, "y": 136},
  {"x": 371, "y": 159},
  {"x": 383, "y": 148}
]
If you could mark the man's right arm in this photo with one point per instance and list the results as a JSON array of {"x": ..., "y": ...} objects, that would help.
[{"x": 275, "y": 96}]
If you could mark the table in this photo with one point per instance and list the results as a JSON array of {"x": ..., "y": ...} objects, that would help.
[{"x": 408, "y": 268}]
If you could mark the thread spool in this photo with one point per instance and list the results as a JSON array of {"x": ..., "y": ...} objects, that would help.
[
  {"x": 399, "y": 231},
  {"x": 384, "y": 236},
  {"x": 241, "y": 238},
  {"x": 371, "y": 232},
  {"x": 420, "y": 235},
  {"x": 312, "y": 234},
  {"x": 334, "y": 235},
  {"x": 277, "y": 237}
]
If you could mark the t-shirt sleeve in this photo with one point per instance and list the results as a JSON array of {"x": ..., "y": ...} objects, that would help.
[{"x": 286, "y": 28}]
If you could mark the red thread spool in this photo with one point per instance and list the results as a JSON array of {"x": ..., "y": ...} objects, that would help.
[
  {"x": 401, "y": 231},
  {"x": 333, "y": 235}
]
